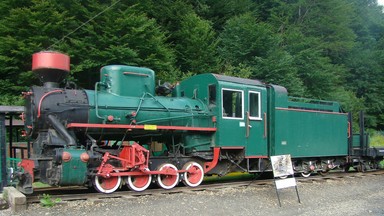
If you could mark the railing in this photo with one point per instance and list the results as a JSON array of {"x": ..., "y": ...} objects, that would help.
[
  {"x": 312, "y": 104},
  {"x": 11, "y": 167}
]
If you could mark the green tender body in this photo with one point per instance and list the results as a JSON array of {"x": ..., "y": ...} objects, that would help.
[
  {"x": 74, "y": 172},
  {"x": 305, "y": 134},
  {"x": 302, "y": 129}
]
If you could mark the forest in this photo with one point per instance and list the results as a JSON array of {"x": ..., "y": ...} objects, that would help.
[{"x": 322, "y": 49}]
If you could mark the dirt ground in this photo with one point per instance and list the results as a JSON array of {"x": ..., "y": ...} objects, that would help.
[{"x": 347, "y": 196}]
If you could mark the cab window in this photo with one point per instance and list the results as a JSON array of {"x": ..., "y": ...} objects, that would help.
[
  {"x": 254, "y": 105},
  {"x": 212, "y": 94},
  {"x": 232, "y": 103}
]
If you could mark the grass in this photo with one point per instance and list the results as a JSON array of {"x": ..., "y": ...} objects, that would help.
[
  {"x": 239, "y": 176},
  {"x": 40, "y": 185},
  {"x": 377, "y": 139},
  {"x": 5, "y": 195},
  {"x": 229, "y": 177}
]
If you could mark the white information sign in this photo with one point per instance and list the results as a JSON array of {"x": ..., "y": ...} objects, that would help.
[
  {"x": 282, "y": 165},
  {"x": 284, "y": 183}
]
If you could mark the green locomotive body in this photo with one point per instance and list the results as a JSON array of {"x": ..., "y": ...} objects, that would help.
[
  {"x": 127, "y": 131},
  {"x": 126, "y": 95}
]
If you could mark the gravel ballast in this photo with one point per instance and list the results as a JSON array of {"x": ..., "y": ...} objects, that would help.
[{"x": 345, "y": 196}]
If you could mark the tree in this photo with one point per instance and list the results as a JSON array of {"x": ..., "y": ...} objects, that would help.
[
  {"x": 122, "y": 37},
  {"x": 364, "y": 62},
  {"x": 245, "y": 41},
  {"x": 316, "y": 71},
  {"x": 308, "y": 37},
  {"x": 329, "y": 21},
  {"x": 192, "y": 37},
  {"x": 321, "y": 49},
  {"x": 25, "y": 29},
  {"x": 219, "y": 12},
  {"x": 197, "y": 45}
]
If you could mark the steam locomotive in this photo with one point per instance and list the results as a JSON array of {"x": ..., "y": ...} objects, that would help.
[{"x": 127, "y": 131}]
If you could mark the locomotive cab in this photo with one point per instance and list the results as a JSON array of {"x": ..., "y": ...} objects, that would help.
[{"x": 239, "y": 106}]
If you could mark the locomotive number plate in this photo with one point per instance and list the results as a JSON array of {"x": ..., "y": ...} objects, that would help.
[{"x": 150, "y": 127}]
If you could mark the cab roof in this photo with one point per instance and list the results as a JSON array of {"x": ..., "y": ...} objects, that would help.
[{"x": 237, "y": 80}]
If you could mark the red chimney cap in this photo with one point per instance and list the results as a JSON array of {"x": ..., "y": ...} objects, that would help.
[{"x": 50, "y": 60}]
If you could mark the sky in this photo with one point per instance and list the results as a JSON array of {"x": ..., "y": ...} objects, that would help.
[{"x": 380, "y": 2}]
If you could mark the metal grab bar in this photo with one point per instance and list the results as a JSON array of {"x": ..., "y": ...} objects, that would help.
[
  {"x": 247, "y": 125},
  {"x": 265, "y": 126}
]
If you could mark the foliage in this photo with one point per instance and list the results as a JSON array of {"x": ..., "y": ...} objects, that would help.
[
  {"x": 47, "y": 201},
  {"x": 327, "y": 49},
  {"x": 197, "y": 47},
  {"x": 251, "y": 43},
  {"x": 377, "y": 139},
  {"x": 219, "y": 12},
  {"x": 120, "y": 36},
  {"x": 245, "y": 38},
  {"x": 364, "y": 62},
  {"x": 241, "y": 70},
  {"x": 25, "y": 29},
  {"x": 329, "y": 21}
]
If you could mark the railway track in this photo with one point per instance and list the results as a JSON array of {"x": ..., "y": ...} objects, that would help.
[{"x": 81, "y": 193}]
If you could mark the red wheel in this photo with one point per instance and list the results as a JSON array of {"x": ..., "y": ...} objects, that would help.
[
  {"x": 139, "y": 183},
  {"x": 106, "y": 185},
  {"x": 169, "y": 180},
  {"x": 194, "y": 175}
]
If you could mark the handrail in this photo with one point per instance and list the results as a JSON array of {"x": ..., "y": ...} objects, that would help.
[
  {"x": 97, "y": 102},
  {"x": 42, "y": 98},
  {"x": 151, "y": 96},
  {"x": 349, "y": 130},
  {"x": 136, "y": 74},
  {"x": 247, "y": 125},
  {"x": 265, "y": 125}
]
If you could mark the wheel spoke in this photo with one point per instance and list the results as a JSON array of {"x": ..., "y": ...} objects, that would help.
[
  {"x": 194, "y": 175},
  {"x": 106, "y": 185},
  {"x": 139, "y": 183},
  {"x": 170, "y": 179}
]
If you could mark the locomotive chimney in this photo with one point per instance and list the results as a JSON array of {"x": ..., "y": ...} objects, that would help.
[{"x": 51, "y": 67}]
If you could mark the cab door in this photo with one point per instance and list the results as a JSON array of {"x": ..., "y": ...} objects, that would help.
[
  {"x": 256, "y": 123},
  {"x": 232, "y": 123}
]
